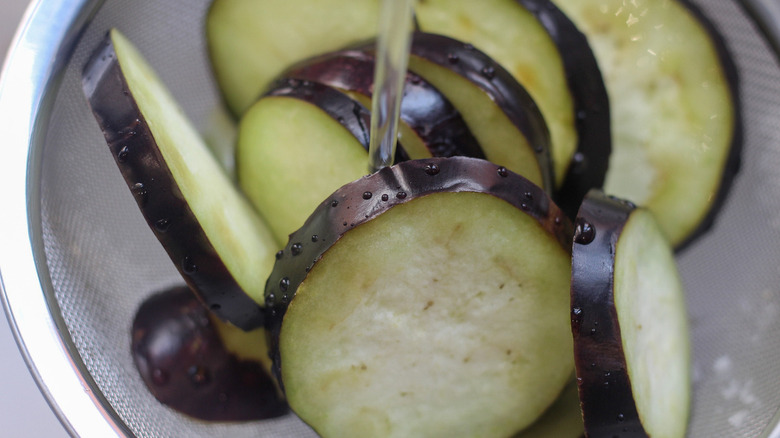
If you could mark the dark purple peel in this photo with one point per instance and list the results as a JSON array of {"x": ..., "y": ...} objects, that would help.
[
  {"x": 423, "y": 108},
  {"x": 158, "y": 195},
  {"x": 734, "y": 159},
  {"x": 349, "y": 113},
  {"x": 606, "y": 397},
  {"x": 491, "y": 77},
  {"x": 591, "y": 105},
  {"x": 367, "y": 198},
  {"x": 184, "y": 363}
]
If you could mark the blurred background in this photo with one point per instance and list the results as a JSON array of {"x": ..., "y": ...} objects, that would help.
[{"x": 23, "y": 410}]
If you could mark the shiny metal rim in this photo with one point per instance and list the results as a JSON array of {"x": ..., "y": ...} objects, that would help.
[{"x": 28, "y": 83}]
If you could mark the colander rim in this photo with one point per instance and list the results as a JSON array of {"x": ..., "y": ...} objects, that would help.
[{"x": 28, "y": 83}]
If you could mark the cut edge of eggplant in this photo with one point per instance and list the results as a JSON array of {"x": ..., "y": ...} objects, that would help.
[
  {"x": 609, "y": 317},
  {"x": 126, "y": 111}
]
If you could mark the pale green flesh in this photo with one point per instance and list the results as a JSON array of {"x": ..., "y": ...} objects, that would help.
[
  {"x": 239, "y": 236},
  {"x": 291, "y": 155},
  {"x": 670, "y": 106},
  {"x": 512, "y": 36},
  {"x": 650, "y": 305},
  {"x": 562, "y": 420},
  {"x": 253, "y": 41},
  {"x": 444, "y": 316},
  {"x": 413, "y": 145},
  {"x": 500, "y": 139}
]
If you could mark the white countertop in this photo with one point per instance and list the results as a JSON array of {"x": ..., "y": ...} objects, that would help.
[{"x": 23, "y": 410}]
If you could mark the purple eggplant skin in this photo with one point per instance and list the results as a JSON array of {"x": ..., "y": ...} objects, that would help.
[
  {"x": 428, "y": 112},
  {"x": 367, "y": 198},
  {"x": 355, "y": 117},
  {"x": 184, "y": 364},
  {"x": 158, "y": 195},
  {"x": 606, "y": 397},
  {"x": 591, "y": 105},
  {"x": 734, "y": 159},
  {"x": 491, "y": 77}
]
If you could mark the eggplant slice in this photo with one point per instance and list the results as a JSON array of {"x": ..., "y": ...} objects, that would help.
[
  {"x": 676, "y": 128},
  {"x": 295, "y": 146},
  {"x": 251, "y": 42},
  {"x": 427, "y": 118},
  {"x": 199, "y": 365},
  {"x": 417, "y": 293},
  {"x": 212, "y": 234},
  {"x": 631, "y": 341}
]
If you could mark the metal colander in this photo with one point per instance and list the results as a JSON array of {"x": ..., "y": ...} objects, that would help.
[{"x": 77, "y": 257}]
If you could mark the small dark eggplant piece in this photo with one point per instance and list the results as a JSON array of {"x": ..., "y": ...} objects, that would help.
[
  {"x": 674, "y": 103},
  {"x": 223, "y": 250},
  {"x": 417, "y": 292},
  {"x": 184, "y": 356},
  {"x": 297, "y": 144},
  {"x": 251, "y": 42},
  {"x": 589, "y": 164},
  {"x": 631, "y": 341},
  {"x": 427, "y": 119}
]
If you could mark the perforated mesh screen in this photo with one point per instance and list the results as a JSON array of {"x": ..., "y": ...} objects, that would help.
[{"x": 104, "y": 260}]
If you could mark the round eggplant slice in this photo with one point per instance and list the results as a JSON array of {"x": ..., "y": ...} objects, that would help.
[
  {"x": 561, "y": 420},
  {"x": 417, "y": 292},
  {"x": 512, "y": 37},
  {"x": 497, "y": 109},
  {"x": 588, "y": 166},
  {"x": 629, "y": 322},
  {"x": 296, "y": 145},
  {"x": 200, "y": 366},
  {"x": 676, "y": 130},
  {"x": 426, "y": 116},
  {"x": 217, "y": 241},
  {"x": 251, "y": 42}
]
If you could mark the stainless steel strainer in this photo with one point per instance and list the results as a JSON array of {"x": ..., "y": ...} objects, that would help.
[{"x": 77, "y": 257}]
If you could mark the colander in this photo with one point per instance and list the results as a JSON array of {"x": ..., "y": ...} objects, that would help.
[{"x": 77, "y": 258}]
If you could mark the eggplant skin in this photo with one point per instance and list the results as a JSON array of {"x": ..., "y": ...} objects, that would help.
[
  {"x": 591, "y": 105},
  {"x": 348, "y": 112},
  {"x": 367, "y": 198},
  {"x": 734, "y": 159},
  {"x": 423, "y": 107},
  {"x": 606, "y": 397},
  {"x": 194, "y": 374},
  {"x": 157, "y": 194}
]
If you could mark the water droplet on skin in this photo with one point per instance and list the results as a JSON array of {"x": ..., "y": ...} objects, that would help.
[
  {"x": 468, "y": 46},
  {"x": 141, "y": 193},
  {"x": 582, "y": 114},
  {"x": 334, "y": 203},
  {"x": 432, "y": 169},
  {"x": 342, "y": 120},
  {"x": 198, "y": 375},
  {"x": 306, "y": 83},
  {"x": 279, "y": 254},
  {"x": 593, "y": 331},
  {"x": 122, "y": 155},
  {"x": 294, "y": 83},
  {"x": 621, "y": 417},
  {"x": 453, "y": 58},
  {"x": 269, "y": 299},
  {"x": 414, "y": 79},
  {"x": 524, "y": 206},
  {"x": 284, "y": 284},
  {"x": 529, "y": 196},
  {"x": 558, "y": 220},
  {"x": 162, "y": 225},
  {"x": 160, "y": 377},
  {"x": 367, "y": 195},
  {"x": 502, "y": 172},
  {"x": 489, "y": 72},
  {"x": 296, "y": 249},
  {"x": 400, "y": 195},
  {"x": 188, "y": 265},
  {"x": 315, "y": 238},
  {"x": 584, "y": 233},
  {"x": 576, "y": 311},
  {"x": 385, "y": 197},
  {"x": 345, "y": 223}
]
